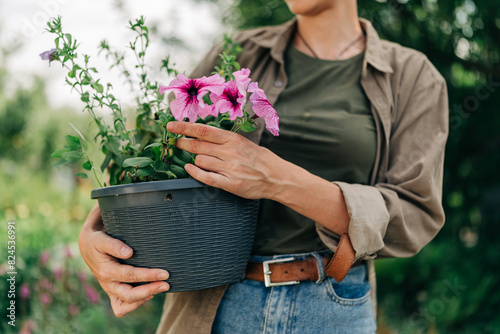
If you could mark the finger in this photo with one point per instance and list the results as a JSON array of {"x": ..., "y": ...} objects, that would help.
[
  {"x": 209, "y": 178},
  {"x": 197, "y": 146},
  {"x": 111, "y": 246},
  {"x": 202, "y": 131},
  {"x": 122, "y": 308},
  {"x": 130, "y": 274},
  {"x": 131, "y": 294},
  {"x": 209, "y": 163}
]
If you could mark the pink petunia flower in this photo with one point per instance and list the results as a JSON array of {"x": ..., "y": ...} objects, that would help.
[
  {"x": 242, "y": 77},
  {"x": 24, "y": 291},
  {"x": 57, "y": 273},
  {"x": 92, "y": 294},
  {"x": 263, "y": 108},
  {"x": 189, "y": 95},
  {"x": 44, "y": 258},
  {"x": 46, "y": 299},
  {"x": 234, "y": 96},
  {"x": 28, "y": 327},
  {"x": 73, "y": 309},
  {"x": 67, "y": 252}
]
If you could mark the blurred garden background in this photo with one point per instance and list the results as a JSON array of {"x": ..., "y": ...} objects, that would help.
[{"x": 451, "y": 286}]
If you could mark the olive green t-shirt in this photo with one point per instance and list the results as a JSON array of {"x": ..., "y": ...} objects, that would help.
[{"x": 327, "y": 128}]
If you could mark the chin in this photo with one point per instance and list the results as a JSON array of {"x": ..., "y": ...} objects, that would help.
[{"x": 309, "y": 7}]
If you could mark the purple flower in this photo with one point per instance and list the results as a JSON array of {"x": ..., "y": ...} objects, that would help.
[
  {"x": 262, "y": 108},
  {"x": 24, "y": 291},
  {"x": 73, "y": 309},
  {"x": 46, "y": 299},
  {"x": 67, "y": 252},
  {"x": 234, "y": 96},
  {"x": 57, "y": 273},
  {"x": 46, "y": 285},
  {"x": 28, "y": 327},
  {"x": 189, "y": 95},
  {"x": 92, "y": 294},
  {"x": 48, "y": 55},
  {"x": 82, "y": 277},
  {"x": 44, "y": 258}
]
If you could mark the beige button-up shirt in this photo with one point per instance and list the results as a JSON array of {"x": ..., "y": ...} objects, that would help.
[{"x": 400, "y": 211}]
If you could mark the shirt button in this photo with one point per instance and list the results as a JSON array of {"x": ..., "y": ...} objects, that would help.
[{"x": 278, "y": 83}]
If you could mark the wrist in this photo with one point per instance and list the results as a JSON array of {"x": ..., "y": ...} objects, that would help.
[{"x": 287, "y": 180}]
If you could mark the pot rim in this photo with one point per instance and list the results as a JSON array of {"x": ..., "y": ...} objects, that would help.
[{"x": 143, "y": 187}]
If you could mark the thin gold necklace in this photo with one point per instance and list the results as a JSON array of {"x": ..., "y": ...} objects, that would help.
[{"x": 350, "y": 45}]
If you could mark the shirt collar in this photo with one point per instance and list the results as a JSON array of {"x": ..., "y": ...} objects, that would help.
[{"x": 277, "y": 38}]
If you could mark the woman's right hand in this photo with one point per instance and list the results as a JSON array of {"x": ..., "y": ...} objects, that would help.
[{"x": 100, "y": 252}]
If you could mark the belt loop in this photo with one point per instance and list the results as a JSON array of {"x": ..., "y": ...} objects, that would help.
[{"x": 320, "y": 265}]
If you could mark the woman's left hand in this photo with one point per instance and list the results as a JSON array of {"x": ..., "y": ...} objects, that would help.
[{"x": 229, "y": 161}]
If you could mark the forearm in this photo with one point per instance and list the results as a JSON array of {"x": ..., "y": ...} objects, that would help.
[{"x": 311, "y": 196}]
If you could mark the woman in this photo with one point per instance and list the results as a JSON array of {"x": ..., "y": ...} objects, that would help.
[{"x": 363, "y": 125}]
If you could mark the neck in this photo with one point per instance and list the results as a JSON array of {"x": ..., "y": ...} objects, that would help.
[{"x": 330, "y": 31}]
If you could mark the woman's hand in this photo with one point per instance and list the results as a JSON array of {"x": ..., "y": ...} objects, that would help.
[
  {"x": 100, "y": 252},
  {"x": 231, "y": 162}
]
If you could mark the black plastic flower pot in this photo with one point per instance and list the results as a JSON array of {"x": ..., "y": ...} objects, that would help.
[{"x": 201, "y": 235}]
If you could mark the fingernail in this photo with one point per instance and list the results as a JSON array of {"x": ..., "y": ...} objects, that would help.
[
  {"x": 171, "y": 126},
  {"x": 163, "y": 288},
  {"x": 125, "y": 251},
  {"x": 162, "y": 276}
]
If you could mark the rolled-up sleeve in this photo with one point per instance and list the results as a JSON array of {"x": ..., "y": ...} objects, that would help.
[{"x": 397, "y": 217}]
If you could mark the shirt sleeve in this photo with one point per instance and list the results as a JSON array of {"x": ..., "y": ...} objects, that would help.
[{"x": 399, "y": 216}]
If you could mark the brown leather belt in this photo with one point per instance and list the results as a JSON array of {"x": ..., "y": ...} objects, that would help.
[{"x": 290, "y": 271}]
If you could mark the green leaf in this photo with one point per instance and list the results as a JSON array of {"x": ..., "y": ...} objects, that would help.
[
  {"x": 59, "y": 163},
  {"x": 148, "y": 171},
  {"x": 152, "y": 145},
  {"x": 99, "y": 88},
  {"x": 82, "y": 175},
  {"x": 178, "y": 161},
  {"x": 73, "y": 142},
  {"x": 87, "y": 165},
  {"x": 179, "y": 172},
  {"x": 58, "y": 154},
  {"x": 76, "y": 130},
  {"x": 106, "y": 161},
  {"x": 85, "y": 96},
  {"x": 246, "y": 126},
  {"x": 72, "y": 156},
  {"x": 68, "y": 37},
  {"x": 139, "y": 162},
  {"x": 182, "y": 155},
  {"x": 160, "y": 166},
  {"x": 157, "y": 152},
  {"x": 113, "y": 146}
]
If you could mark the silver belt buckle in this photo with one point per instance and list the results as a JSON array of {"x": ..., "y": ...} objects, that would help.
[{"x": 267, "y": 272}]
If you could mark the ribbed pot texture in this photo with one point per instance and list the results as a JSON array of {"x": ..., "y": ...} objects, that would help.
[{"x": 201, "y": 235}]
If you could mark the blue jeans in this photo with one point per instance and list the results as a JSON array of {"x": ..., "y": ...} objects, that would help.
[{"x": 324, "y": 306}]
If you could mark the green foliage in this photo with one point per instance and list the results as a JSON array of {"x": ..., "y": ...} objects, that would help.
[
  {"x": 48, "y": 218},
  {"x": 56, "y": 293},
  {"x": 146, "y": 152}
]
